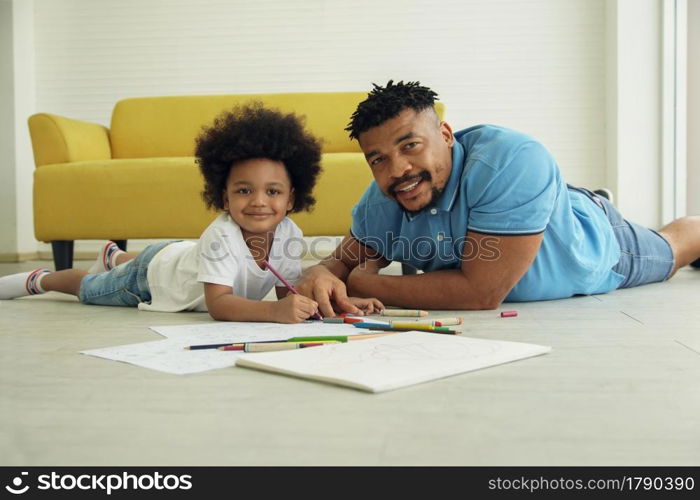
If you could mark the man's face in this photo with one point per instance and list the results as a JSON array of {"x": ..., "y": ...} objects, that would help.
[{"x": 410, "y": 157}]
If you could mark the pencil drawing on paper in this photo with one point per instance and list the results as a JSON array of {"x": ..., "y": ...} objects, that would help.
[{"x": 387, "y": 352}]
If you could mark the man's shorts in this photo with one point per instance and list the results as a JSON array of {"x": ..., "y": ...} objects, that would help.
[
  {"x": 645, "y": 255},
  {"x": 125, "y": 285}
]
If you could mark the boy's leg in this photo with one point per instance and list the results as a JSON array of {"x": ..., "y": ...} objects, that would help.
[
  {"x": 23, "y": 284},
  {"x": 684, "y": 237},
  {"x": 110, "y": 256},
  {"x": 41, "y": 281},
  {"x": 66, "y": 281}
]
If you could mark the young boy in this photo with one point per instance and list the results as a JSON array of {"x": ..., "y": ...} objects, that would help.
[{"x": 258, "y": 165}]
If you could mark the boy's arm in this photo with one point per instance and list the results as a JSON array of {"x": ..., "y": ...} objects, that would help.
[{"x": 223, "y": 305}]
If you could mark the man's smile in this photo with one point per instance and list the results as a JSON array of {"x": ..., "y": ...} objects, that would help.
[{"x": 407, "y": 188}]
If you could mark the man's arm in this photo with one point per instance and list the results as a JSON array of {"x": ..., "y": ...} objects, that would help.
[
  {"x": 491, "y": 266},
  {"x": 325, "y": 282}
]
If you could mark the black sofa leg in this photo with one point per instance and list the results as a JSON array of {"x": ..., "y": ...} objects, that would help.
[
  {"x": 121, "y": 244},
  {"x": 62, "y": 254}
]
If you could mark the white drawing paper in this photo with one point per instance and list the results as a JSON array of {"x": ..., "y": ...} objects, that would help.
[
  {"x": 221, "y": 331},
  {"x": 170, "y": 356}
]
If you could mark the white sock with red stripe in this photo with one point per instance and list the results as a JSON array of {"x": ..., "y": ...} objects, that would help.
[
  {"x": 22, "y": 284},
  {"x": 106, "y": 259}
]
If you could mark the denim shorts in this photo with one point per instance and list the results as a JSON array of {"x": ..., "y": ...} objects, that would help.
[
  {"x": 645, "y": 255},
  {"x": 125, "y": 285}
]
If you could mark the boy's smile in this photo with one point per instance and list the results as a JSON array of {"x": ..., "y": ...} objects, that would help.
[{"x": 258, "y": 195}]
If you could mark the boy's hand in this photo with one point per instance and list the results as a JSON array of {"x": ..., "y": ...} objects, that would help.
[
  {"x": 294, "y": 309},
  {"x": 367, "y": 306}
]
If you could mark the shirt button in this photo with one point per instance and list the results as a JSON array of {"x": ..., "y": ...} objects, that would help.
[
  {"x": 433, "y": 211},
  {"x": 440, "y": 237}
]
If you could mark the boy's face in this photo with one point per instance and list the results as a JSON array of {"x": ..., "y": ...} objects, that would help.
[
  {"x": 258, "y": 195},
  {"x": 410, "y": 157}
]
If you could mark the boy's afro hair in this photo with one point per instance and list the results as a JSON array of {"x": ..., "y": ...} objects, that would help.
[
  {"x": 252, "y": 131},
  {"x": 384, "y": 103}
]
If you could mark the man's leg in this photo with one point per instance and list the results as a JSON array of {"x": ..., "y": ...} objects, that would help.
[{"x": 684, "y": 237}]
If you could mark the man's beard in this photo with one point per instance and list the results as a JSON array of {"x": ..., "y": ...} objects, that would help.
[{"x": 436, "y": 193}]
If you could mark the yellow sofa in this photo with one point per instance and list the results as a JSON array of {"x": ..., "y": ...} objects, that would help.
[{"x": 138, "y": 179}]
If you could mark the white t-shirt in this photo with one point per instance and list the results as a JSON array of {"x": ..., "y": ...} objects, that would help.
[{"x": 177, "y": 272}]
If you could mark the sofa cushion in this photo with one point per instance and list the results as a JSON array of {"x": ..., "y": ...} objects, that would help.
[
  {"x": 147, "y": 127},
  {"x": 344, "y": 178},
  {"x": 121, "y": 199},
  {"x": 160, "y": 198}
]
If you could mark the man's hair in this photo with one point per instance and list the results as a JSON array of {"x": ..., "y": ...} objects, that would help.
[
  {"x": 252, "y": 131},
  {"x": 384, "y": 103}
]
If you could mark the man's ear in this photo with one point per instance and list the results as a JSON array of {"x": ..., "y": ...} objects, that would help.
[
  {"x": 290, "y": 203},
  {"x": 447, "y": 135}
]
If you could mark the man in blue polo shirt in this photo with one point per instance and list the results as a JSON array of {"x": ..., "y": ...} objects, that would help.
[{"x": 485, "y": 214}]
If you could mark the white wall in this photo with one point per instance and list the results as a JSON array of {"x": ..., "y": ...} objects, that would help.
[
  {"x": 535, "y": 65},
  {"x": 23, "y": 17},
  {"x": 634, "y": 108},
  {"x": 17, "y": 103},
  {"x": 8, "y": 222},
  {"x": 693, "y": 193}
]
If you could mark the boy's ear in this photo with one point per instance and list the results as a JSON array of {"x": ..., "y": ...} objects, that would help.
[
  {"x": 224, "y": 197},
  {"x": 290, "y": 203}
]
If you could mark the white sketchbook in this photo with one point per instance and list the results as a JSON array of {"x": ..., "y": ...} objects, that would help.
[{"x": 393, "y": 361}]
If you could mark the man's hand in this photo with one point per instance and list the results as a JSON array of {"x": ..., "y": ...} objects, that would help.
[
  {"x": 319, "y": 284},
  {"x": 368, "y": 306},
  {"x": 325, "y": 282}
]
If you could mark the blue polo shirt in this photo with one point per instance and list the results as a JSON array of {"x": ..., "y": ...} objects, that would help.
[{"x": 502, "y": 183}]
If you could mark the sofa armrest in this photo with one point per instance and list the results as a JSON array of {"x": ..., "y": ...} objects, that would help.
[{"x": 56, "y": 139}]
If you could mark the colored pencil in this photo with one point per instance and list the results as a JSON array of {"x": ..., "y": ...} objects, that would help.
[
  {"x": 320, "y": 339},
  {"x": 445, "y": 331},
  {"x": 368, "y": 324},
  {"x": 433, "y": 322},
  {"x": 416, "y": 326},
  {"x": 403, "y": 312},
  {"x": 206, "y": 346},
  {"x": 342, "y": 320},
  {"x": 270, "y": 346},
  {"x": 334, "y": 320},
  {"x": 338, "y": 338},
  {"x": 287, "y": 284}
]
